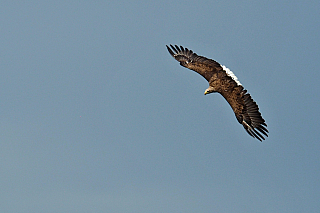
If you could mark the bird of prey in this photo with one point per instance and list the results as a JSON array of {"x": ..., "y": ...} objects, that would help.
[{"x": 222, "y": 80}]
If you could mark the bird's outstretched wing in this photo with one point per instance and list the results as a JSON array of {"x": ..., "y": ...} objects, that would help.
[
  {"x": 251, "y": 118},
  {"x": 187, "y": 58}
]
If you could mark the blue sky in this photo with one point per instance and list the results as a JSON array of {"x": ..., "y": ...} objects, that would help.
[{"x": 96, "y": 116}]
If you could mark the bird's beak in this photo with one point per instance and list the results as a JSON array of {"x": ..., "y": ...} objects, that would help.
[{"x": 205, "y": 92}]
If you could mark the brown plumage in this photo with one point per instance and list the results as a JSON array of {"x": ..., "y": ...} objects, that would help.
[{"x": 223, "y": 81}]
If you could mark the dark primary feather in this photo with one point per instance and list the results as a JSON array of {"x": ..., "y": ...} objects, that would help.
[
  {"x": 252, "y": 119},
  {"x": 244, "y": 107}
]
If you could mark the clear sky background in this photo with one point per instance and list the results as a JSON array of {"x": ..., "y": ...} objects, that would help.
[{"x": 96, "y": 116}]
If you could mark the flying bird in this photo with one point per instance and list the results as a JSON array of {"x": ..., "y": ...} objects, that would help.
[{"x": 222, "y": 80}]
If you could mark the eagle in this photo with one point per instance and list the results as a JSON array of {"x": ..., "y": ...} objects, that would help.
[{"x": 223, "y": 81}]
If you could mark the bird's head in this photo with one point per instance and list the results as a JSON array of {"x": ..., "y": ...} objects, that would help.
[{"x": 209, "y": 90}]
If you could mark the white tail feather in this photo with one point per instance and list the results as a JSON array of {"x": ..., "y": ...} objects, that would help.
[{"x": 231, "y": 74}]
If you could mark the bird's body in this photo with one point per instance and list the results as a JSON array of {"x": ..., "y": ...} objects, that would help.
[{"x": 223, "y": 81}]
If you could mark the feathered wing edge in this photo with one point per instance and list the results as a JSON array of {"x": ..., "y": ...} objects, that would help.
[
  {"x": 252, "y": 121},
  {"x": 181, "y": 54}
]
